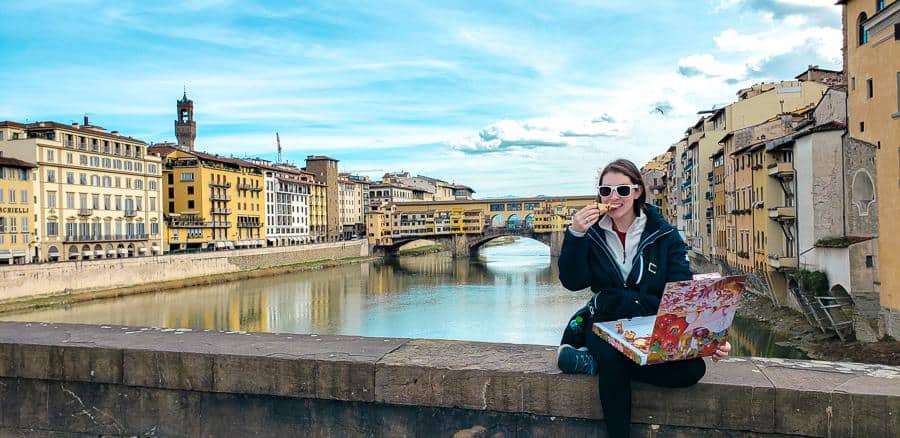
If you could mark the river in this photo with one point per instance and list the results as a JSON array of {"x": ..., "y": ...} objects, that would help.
[{"x": 510, "y": 293}]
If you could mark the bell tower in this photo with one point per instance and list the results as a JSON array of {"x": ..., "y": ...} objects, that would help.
[{"x": 185, "y": 126}]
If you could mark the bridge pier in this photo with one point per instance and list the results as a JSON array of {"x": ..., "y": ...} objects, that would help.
[
  {"x": 555, "y": 242},
  {"x": 459, "y": 246}
]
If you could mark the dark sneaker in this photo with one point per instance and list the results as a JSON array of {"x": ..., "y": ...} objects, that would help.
[{"x": 575, "y": 361}]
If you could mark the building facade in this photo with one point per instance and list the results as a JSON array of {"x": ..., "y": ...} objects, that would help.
[
  {"x": 287, "y": 193},
  {"x": 872, "y": 64},
  {"x": 97, "y": 193},
  {"x": 212, "y": 202},
  {"x": 16, "y": 213},
  {"x": 325, "y": 170},
  {"x": 353, "y": 197}
]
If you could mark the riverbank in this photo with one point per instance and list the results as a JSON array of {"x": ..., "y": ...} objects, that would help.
[
  {"x": 797, "y": 332},
  {"x": 204, "y": 280},
  {"x": 32, "y": 286}
]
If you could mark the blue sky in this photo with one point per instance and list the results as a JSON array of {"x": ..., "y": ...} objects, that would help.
[{"x": 508, "y": 97}]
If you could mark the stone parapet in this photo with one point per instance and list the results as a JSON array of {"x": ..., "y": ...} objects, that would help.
[
  {"x": 24, "y": 282},
  {"x": 82, "y": 379}
]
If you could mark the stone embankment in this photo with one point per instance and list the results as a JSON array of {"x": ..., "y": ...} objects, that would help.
[
  {"x": 108, "y": 380},
  {"x": 54, "y": 283}
]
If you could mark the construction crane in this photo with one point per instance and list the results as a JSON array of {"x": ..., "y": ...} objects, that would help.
[{"x": 278, "y": 141}]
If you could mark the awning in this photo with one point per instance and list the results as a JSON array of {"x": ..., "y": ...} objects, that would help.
[
  {"x": 122, "y": 251},
  {"x": 87, "y": 253},
  {"x": 111, "y": 252},
  {"x": 142, "y": 249},
  {"x": 98, "y": 252},
  {"x": 229, "y": 245},
  {"x": 155, "y": 249},
  {"x": 53, "y": 251},
  {"x": 220, "y": 244}
]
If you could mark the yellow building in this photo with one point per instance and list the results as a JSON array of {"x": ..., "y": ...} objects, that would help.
[
  {"x": 872, "y": 63},
  {"x": 318, "y": 211},
  {"x": 654, "y": 176},
  {"x": 212, "y": 202},
  {"x": 16, "y": 189},
  {"x": 97, "y": 192}
]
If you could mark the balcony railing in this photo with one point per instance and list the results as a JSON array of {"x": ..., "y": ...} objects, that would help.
[
  {"x": 226, "y": 185},
  {"x": 782, "y": 263},
  {"x": 241, "y": 186},
  {"x": 130, "y": 213},
  {"x": 85, "y": 212},
  {"x": 220, "y": 211},
  {"x": 219, "y": 197},
  {"x": 781, "y": 170},
  {"x": 72, "y": 238},
  {"x": 249, "y": 224},
  {"x": 783, "y": 213}
]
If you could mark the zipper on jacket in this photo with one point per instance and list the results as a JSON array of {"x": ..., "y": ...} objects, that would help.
[{"x": 608, "y": 252}]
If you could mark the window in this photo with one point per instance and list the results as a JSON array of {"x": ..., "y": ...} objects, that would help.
[
  {"x": 862, "y": 36},
  {"x": 49, "y": 154},
  {"x": 862, "y": 126},
  {"x": 52, "y": 228},
  {"x": 70, "y": 178},
  {"x": 151, "y": 203},
  {"x": 187, "y": 176},
  {"x": 70, "y": 200},
  {"x": 870, "y": 261},
  {"x": 139, "y": 203},
  {"x": 51, "y": 175},
  {"x": 12, "y": 196},
  {"x": 23, "y": 196},
  {"x": 190, "y": 204},
  {"x": 190, "y": 190},
  {"x": 151, "y": 185},
  {"x": 107, "y": 201},
  {"x": 51, "y": 199},
  {"x": 879, "y": 5},
  {"x": 95, "y": 202},
  {"x": 68, "y": 158},
  {"x": 82, "y": 179},
  {"x": 870, "y": 89}
]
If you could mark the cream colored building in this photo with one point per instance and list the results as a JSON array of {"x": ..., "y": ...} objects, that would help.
[
  {"x": 98, "y": 193},
  {"x": 352, "y": 197},
  {"x": 872, "y": 63}
]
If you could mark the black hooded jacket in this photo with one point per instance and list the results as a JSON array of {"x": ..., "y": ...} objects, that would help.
[{"x": 587, "y": 261}]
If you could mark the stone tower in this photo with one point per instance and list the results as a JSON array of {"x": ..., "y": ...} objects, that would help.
[{"x": 185, "y": 126}]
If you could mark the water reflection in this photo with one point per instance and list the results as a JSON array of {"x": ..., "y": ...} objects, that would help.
[{"x": 510, "y": 293}]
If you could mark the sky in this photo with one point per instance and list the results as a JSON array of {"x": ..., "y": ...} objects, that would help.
[{"x": 508, "y": 97}]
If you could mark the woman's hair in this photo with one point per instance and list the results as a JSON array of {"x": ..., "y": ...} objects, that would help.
[{"x": 627, "y": 168}]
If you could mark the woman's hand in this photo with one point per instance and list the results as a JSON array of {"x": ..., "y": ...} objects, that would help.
[
  {"x": 722, "y": 351},
  {"x": 585, "y": 218}
]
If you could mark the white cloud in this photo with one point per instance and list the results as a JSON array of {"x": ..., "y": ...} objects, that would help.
[
  {"x": 548, "y": 132},
  {"x": 708, "y": 66}
]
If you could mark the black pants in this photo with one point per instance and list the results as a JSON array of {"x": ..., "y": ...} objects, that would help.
[{"x": 615, "y": 373}]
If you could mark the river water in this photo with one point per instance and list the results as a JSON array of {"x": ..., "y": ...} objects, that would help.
[{"x": 510, "y": 293}]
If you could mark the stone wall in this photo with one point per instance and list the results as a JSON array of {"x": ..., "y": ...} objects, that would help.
[
  {"x": 80, "y": 379},
  {"x": 29, "y": 281}
]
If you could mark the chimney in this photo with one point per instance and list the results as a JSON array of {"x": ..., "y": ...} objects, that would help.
[{"x": 86, "y": 120}]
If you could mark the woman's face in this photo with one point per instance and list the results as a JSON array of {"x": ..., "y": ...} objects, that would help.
[{"x": 626, "y": 204}]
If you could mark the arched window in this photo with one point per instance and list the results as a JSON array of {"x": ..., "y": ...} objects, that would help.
[
  {"x": 862, "y": 191},
  {"x": 879, "y": 5},
  {"x": 863, "y": 36}
]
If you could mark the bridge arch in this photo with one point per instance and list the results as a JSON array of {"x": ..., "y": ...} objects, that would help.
[
  {"x": 498, "y": 221},
  {"x": 529, "y": 221},
  {"x": 513, "y": 222}
]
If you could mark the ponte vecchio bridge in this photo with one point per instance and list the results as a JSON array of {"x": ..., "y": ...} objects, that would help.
[{"x": 462, "y": 226}]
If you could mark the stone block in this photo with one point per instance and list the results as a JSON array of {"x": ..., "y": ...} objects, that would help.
[
  {"x": 170, "y": 370},
  {"x": 86, "y": 408},
  {"x": 23, "y": 403},
  {"x": 161, "y": 412},
  {"x": 241, "y": 415},
  {"x": 866, "y": 406},
  {"x": 803, "y": 402},
  {"x": 341, "y": 380},
  {"x": 264, "y": 375},
  {"x": 464, "y": 374}
]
